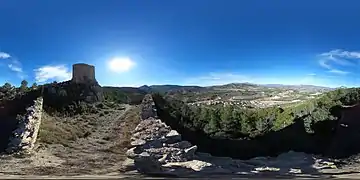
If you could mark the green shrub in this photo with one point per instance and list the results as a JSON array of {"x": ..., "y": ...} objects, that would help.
[{"x": 230, "y": 121}]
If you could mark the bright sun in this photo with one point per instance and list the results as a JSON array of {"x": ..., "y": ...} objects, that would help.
[{"x": 119, "y": 65}]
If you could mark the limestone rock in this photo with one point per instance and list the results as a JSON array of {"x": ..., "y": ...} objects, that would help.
[
  {"x": 195, "y": 165},
  {"x": 133, "y": 152},
  {"x": 164, "y": 158},
  {"x": 151, "y": 129},
  {"x": 24, "y": 137},
  {"x": 144, "y": 163},
  {"x": 138, "y": 142},
  {"x": 173, "y": 137},
  {"x": 295, "y": 171},
  {"x": 128, "y": 165},
  {"x": 190, "y": 152}
]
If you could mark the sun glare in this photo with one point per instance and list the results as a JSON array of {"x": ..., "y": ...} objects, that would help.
[{"x": 120, "y": 64}]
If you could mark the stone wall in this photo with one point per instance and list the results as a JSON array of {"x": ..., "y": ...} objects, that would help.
[
  {"x": 24, "y": 136},
  {"x": 158, "y": 149},
  {"x": 155, "y": 144},
  {"x": 83, "y": 73},
  {"x": 148, "y": 108}
]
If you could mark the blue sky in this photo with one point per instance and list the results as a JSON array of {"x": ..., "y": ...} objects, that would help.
[{"x": 187, "y": 42}]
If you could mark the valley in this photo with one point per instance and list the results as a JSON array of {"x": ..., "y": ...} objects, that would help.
[
  {"x": 91, "y": 130},
  {"x": 244, "y": 95}
]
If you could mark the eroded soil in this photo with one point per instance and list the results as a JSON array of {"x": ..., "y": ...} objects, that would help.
[{"x": 98, "y": 150}]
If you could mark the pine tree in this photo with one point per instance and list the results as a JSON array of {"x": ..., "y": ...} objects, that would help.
[
  {"x": 34, "y": 86},
  {"x": 228, "y": 123},
  {"x": 23, "y": 86},
  {"x": 7, "y": 86}
]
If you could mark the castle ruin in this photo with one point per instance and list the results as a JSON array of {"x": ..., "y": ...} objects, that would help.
[{"x": 83, "y": 73}]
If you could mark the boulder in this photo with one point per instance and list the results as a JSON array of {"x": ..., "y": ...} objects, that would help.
[
  {"x": 173, "y": 137},
  {"x": 146, "y": 164},
  {"x": 138, "y": 142},
  {"x": 133, "y": 152},
  {"x": 195, "y": 165},
  {"x": 190, "y": 152},
  {"x": 128, "y": 165}
]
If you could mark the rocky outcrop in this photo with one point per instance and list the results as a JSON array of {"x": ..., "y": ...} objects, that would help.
[
  {"x": 24, "y": 136},
  {"x": 155, "y": 144},
  {"x": 154, "y": 140},
  {"x": 158, "y": 149}
]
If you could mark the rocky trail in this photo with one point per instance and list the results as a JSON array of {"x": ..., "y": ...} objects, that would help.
[{"x": 98, "y": 152}]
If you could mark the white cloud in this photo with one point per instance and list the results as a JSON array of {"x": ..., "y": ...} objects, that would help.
[
  {"x": 338, "y": 57},
  {"x": 15, "y": 68},
  {"x": 4, "y": 55},
  {"x": 120, "y": 65},
  {"x": 342, "y": 54},
  {"x": 336, "y": 71},
  {"x": 52, "y": 73},
  {"x": 323, "y": 63},
  {"x": 217, "y": 79}
]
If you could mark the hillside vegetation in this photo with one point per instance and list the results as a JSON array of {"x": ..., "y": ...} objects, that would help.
[
  {"x": 305, "y": 127},
  {"x": 230, "y": 121}
]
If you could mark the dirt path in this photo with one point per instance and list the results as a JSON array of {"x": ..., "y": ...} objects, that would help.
[
  {"x": 100, "y": 151},
  {"x": 99, "y": 154}
]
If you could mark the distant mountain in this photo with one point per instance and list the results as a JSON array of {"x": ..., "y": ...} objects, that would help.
[
  {"x": 170, "y": 88},
  {"x": 234, "y": 86},
  {"x": 178, "y": 88},
  {"x": 145, "y": 88},
  {"x": 286, "y": 85},
  {"x": 309, "y": 88}
]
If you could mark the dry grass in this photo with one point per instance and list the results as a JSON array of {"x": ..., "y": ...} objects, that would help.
[
  {"x": 56, "y": 130},
  {"x": 81, "y": 144},
  {"x": 122, "y": 133}
]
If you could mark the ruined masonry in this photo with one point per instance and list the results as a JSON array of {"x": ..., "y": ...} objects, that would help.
[
  {"x": 155, "y": 144},
  {"x": 83, "y": 73},
  {"x": 24, "y": 136},
  {"x": 157, "y": 149}
]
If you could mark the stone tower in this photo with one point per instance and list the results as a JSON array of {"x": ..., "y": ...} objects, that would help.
[
  {"x": 83, "y": 73},
  {"x": 84, "y": 76}
]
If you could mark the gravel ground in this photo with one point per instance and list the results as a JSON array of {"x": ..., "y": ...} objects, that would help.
[{"x": 100, "y": 152}]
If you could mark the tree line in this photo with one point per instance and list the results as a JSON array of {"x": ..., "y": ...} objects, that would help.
[{"x": 232, "y": 122}]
